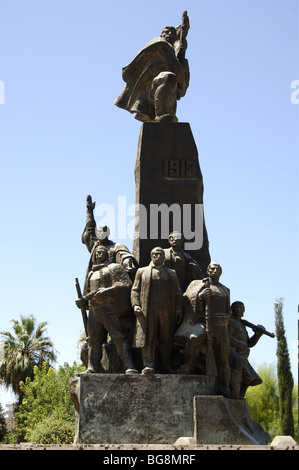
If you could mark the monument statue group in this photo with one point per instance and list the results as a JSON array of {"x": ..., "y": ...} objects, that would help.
[{"x": 161, "y": 309}]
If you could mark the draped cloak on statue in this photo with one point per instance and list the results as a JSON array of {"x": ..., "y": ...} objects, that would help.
[{"x": 155, "y": 57}]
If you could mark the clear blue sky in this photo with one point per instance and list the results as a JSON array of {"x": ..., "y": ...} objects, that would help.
[{"x": 62, "y": 138}]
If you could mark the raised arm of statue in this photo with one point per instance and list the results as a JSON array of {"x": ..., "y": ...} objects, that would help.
[
  {"x": 88, "y": 235},
  {"x": 182, "y": 31},
  {"x": 180, "y": 47}
]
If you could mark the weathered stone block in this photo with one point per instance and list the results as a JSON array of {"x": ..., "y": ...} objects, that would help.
[
  {"x": 219, "y": 420},
  {"x": 122, "y": 409}
]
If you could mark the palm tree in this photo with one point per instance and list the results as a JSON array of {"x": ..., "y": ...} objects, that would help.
[{"x": 22, "y": 352}]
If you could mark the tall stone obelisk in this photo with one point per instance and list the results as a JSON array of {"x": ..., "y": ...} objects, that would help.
[{"x": 169, "y": 191}]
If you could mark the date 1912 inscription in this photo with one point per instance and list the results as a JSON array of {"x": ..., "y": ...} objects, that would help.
[{"x": 180, "y": 168}]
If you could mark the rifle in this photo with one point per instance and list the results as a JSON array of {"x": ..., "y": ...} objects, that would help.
[
  {"x": 83, "y": 311},
  {"x": 256, "y": 328},
  {"x": 211, "y": 368}
]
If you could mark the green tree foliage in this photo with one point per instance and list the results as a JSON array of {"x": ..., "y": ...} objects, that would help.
[
  {"x": 46, "y": 414},
  {"x": 3, "y": 429},
  {"x": 52, "y": 431},
  {"x": 27, "y": 348},
  {"x": 263, "y": 401},
  {"x": 285, "y": 377}
]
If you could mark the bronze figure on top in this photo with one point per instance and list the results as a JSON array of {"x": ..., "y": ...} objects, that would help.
[{"x": 158, "y": 76}]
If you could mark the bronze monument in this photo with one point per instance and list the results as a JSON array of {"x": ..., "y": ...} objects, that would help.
[{"x": 182, "y": 346}]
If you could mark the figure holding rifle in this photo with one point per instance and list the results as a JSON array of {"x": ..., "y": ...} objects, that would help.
[
  {"x": 211, "y": 368},
  {"x": 204, "y": 330},
  {"x": 107, "y": 297},
  {"x": 217, "y": 297},
  {"x": 242, "y": 373}
]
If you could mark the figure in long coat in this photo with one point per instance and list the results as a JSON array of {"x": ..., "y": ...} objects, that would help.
[
  {"x": 158, "y": 76},
  {"x": 156, "y": 298}
]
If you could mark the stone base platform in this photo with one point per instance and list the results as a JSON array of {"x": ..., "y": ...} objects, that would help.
[
  {"x": 158, "y": 409},
  {"x": 126, "y": 409},
  {"x": 218, "y": 420}
]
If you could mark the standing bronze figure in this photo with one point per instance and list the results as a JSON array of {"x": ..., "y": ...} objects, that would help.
[
  {"x": 158, "y": 76},
  {"x": 156, "y": 298}
]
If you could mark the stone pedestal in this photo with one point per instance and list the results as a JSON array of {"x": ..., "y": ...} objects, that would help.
[
  {"x": 169, "y": 190},
  {"x": 123, "y": 409},
  {"x": 159, "y": 409},
  {"x": 218, "y": 420}
]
